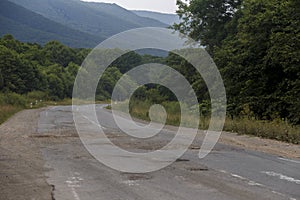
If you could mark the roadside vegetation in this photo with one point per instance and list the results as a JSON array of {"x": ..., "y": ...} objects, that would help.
[
  {"x": 8, "y": 108},
  {"x": 276, "y": 129},
  {"x": 11, "y": 103},
  {"x": 33, "y": 76},
  {"x": 254, "y": 43}
]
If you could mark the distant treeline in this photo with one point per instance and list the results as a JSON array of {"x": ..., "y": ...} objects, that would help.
[
  {"x": 49, "y": 71},
  {"x": 26, "y": 67}
]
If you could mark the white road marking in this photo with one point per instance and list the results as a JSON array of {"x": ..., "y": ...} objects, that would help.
[
  {"x": 252, "y": 183},
  {"x": 283, "y": 195},
  {"x": 131, "y": 183},
  {"x": 282, "y": 177},
  {"x": 278, "y": 193},
  {"x": 289, "y": 160},
  {"x": 74, "y": 182},
  {"x": 95, "y": 123},
  {"x": 237, "y": 176},
  {"x": 76, "y": 196}
]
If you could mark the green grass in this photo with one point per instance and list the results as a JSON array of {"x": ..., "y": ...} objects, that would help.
[{"x": 277, "y": 130}]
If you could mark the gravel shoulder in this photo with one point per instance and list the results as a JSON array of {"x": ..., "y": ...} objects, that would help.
[
  {"x": 274, "y": 147},
  {"x": 21, "y": 164}
]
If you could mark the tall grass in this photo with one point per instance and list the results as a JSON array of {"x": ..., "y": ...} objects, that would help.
[
  {"x": 277, "y": 130},
  {"x": 10, "y": 104}
]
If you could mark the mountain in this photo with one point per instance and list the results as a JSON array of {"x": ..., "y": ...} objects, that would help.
[
  {"x": 99, "y": 19},
  {"x": 169, "y": 19},
  {"x": 28, "y": 26}
]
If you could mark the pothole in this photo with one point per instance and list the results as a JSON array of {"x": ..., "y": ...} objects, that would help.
[
  {"x": 197, "y": 169},
  {"x": 136, "y": 177},
  {"x": 194, "y": 148},
  {"x": 53, "y": 136},
  {"x": 182, "y": 160}
]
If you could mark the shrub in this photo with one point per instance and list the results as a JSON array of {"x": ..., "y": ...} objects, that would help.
[
  {"x": 13, "y": 99},
  {"x": 37, "y": 95}
]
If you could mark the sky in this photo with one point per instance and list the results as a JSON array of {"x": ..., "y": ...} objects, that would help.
[{"x": 164, "y": 6}]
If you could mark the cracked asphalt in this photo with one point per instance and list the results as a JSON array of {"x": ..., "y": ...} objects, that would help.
[{"x": 42, "y": 157}]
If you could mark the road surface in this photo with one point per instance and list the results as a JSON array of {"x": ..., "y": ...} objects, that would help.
[{"x": 70, "y": 172}]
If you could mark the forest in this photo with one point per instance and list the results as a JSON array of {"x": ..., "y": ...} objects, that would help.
[
  {"x": 254, "y": 43},
  {"x": 256, "y": 46}
]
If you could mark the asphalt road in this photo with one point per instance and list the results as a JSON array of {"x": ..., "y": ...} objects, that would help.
[{"x": 226, "y": 173}]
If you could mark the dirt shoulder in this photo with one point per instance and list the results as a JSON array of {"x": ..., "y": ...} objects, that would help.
[
  {"x": 21, "y": 164},
  {"x": 278, "y": 148}
]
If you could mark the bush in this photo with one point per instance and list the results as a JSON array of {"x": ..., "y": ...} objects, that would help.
[
  {"x": 13, "y": 99},
  {"x": 37, "y": 95}
]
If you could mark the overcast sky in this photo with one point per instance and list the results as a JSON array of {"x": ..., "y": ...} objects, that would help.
[{"x": 165, "y": 6}]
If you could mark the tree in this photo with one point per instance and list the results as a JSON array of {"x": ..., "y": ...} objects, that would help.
[
  {"x": 18, "y": 75},
  {"x": 1, "y": 81},
  {"x": 58, "y": 53},
  {"x": 260, "y": 64},
  {"x": 127, "y": 61},
  {"x": 207, "y": 20},
  {"x": 9, "y": 42}
]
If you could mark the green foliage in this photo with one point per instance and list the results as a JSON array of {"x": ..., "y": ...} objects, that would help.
[
  {"x": 256, "y": 45},
  {"x": 260, "y": 64},
  {"x": 107, "y": 83},
  {"x": 58, "y": 53},
  {"x": 25, "y": 68},
  {"x": 128, "y": 61},
  {"x": 12, "y": 99},
  {"x": 19, "y": 75},
  {"x": 207, "y": 20},
  {"x": 37, "y": 96}
]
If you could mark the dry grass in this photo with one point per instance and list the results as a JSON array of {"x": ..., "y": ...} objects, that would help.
[
  {"x": 6, "y": 111},
  {"x": 277, "y": 130}
]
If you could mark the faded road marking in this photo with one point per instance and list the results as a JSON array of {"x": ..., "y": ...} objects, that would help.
[
  {"x": 74, "y": 182},
  {"x": 249, "y": 182},
  {"x": 282, "y": 177},
  {"x": 252, "y": 183},
  {"x": 237, "y": 176},
  {"x": 131, "y": 182},
  {"x": 95, "y": 123},
  {"x": 293, "y": 161},
  {"x": 75, "y": 194}
]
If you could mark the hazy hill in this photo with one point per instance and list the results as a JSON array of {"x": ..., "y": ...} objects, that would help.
[
  {"x": 28, "y": 26},
  {"x": 169, "y": 19},
  {"x": 100, "y": 19}
]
